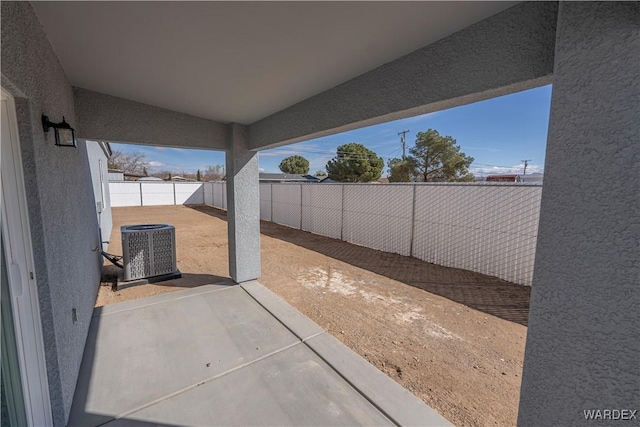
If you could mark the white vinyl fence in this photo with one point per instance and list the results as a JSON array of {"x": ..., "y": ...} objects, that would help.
[
  {"x": 215, "y": 194},
  {"x": 489, "y": 228},
  {"x": 137, "y": 193}
]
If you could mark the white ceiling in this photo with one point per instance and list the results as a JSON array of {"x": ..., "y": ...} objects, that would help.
[{"x": 239, "y": 61}]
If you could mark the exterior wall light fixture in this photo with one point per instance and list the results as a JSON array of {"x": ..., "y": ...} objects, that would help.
[{"x": 65, "y": 134}]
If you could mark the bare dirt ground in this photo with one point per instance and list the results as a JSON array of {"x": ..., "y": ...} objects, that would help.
[{"x": 452, "y": 337}]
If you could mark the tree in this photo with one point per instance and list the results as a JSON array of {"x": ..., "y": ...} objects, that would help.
[
  {"x": 198, "y": 176},
  {"x": 162, "y": 174},
  {"x": 355, "y": 163},
  {"x": 134, "y": 163},
  {"x": 401, "y": 170},
  {"x": 295, "y": 165},
  {"x": 145, "y": 172},
  {"x": 320, "y": 173},
  {"x": 437, "y": 158},
  {"x": 214, "y": 173}
]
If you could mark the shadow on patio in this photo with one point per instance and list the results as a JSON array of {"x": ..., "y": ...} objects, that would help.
[
  {"x": 484, "y": 293},
  {"x": 188, "y": 280}
]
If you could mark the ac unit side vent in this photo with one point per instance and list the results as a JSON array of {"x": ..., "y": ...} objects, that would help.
[{"x": 148, "y": 250}]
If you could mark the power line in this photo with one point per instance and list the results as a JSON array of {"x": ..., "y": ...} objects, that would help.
[
  {"x": 403, "y": 139},
  {"x": 312, "y": 150},
  {"x": 328, "y": 152},
  {"x": 307, "y": 151}
]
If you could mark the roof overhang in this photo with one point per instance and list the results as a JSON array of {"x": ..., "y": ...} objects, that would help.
[{"x": 239, "y": 61}]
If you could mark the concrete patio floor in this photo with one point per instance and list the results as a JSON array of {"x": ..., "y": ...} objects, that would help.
[{"x": 225, "y": 354}]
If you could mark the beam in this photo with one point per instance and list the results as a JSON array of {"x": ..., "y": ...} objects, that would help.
[
  {"x": 109, "y": 118},
  {"x": 583, "y": 342},
  {"x": 506, "y": 53}
]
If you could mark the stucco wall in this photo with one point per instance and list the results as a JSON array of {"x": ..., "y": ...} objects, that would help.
[
  {"x": 508, "y": 52},
  {"x": 583, "y": 342},
  {"x": 243, "y": 207},
  {"x": 97, "y": 159},
  {"x": 109, "y": 118},
  {"x": 60, "y": 197}
]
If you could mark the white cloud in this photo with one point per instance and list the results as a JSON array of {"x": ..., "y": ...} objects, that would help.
[
  {"x": 499, "y": 170},
  {"x": 155, "y": 164}
]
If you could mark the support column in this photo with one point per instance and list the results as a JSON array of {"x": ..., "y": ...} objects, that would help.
[
  {"x": 243, "y": 206},
  {"x": 583, "y": 342}
]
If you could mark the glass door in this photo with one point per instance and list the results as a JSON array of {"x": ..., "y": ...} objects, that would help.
[{"x": 11, "y": 394}]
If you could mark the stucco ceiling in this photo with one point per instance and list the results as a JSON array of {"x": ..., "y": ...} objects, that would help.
[{"x": 239, "y": 61}]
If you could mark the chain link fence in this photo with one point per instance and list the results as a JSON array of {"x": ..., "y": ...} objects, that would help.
[{"x": 489, "y": 228}]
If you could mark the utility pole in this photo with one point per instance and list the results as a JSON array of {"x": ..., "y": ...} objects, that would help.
[
  {"x": 526, "y": 163},
  {"x": 403, "y": 138}
]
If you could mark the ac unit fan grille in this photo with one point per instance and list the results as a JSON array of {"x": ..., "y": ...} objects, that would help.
[
  {"x": 163, "y": 251},
  {"x": 148, "y": 250},
  {"x": 139, "y": 255}
]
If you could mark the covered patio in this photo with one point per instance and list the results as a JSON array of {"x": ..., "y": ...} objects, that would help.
[
  {"x": 248, "y": 76},
  {"x": 229, "y": 355}
]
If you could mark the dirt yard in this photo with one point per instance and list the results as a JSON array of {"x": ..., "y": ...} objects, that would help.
[{"x": 452, "y": 337}]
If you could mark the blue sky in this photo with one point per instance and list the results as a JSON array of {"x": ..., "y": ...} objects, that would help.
[{"x": 497, "y": 133}]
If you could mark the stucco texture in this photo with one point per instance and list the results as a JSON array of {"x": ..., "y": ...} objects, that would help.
[
  {"x": 60, "y": 200},
  {"x": 583, "y": 342},
  {"x": 506, "y": 53},
  {"x": 243, "y": 207},
  {"x": 109, "y": 118}
]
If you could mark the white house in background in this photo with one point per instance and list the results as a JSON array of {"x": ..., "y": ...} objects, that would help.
[
  {"x": 116, "y": 175},
  {"x": 98, "y": 154},
  {"x": 533, "y": 177}
]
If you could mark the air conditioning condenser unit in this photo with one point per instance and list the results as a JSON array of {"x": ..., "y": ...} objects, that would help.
[{"x": 149, "y": 250}]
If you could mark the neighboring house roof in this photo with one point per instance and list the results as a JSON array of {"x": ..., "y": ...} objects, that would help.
[
  {"x": 179, "y": 178},
  {"x": 327, "y": 180},
  {"x": 287, "y": 177},
  {"x": 503, "y": 178},
  {"x": 150, "y": 178},
  {"x": 114, "y": 171},
  {"x": 132, "y": 175},
  {"x": 534, "y": 177}
]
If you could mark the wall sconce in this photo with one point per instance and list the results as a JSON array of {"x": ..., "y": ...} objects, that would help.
[{"x": 65, "y": 134}]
